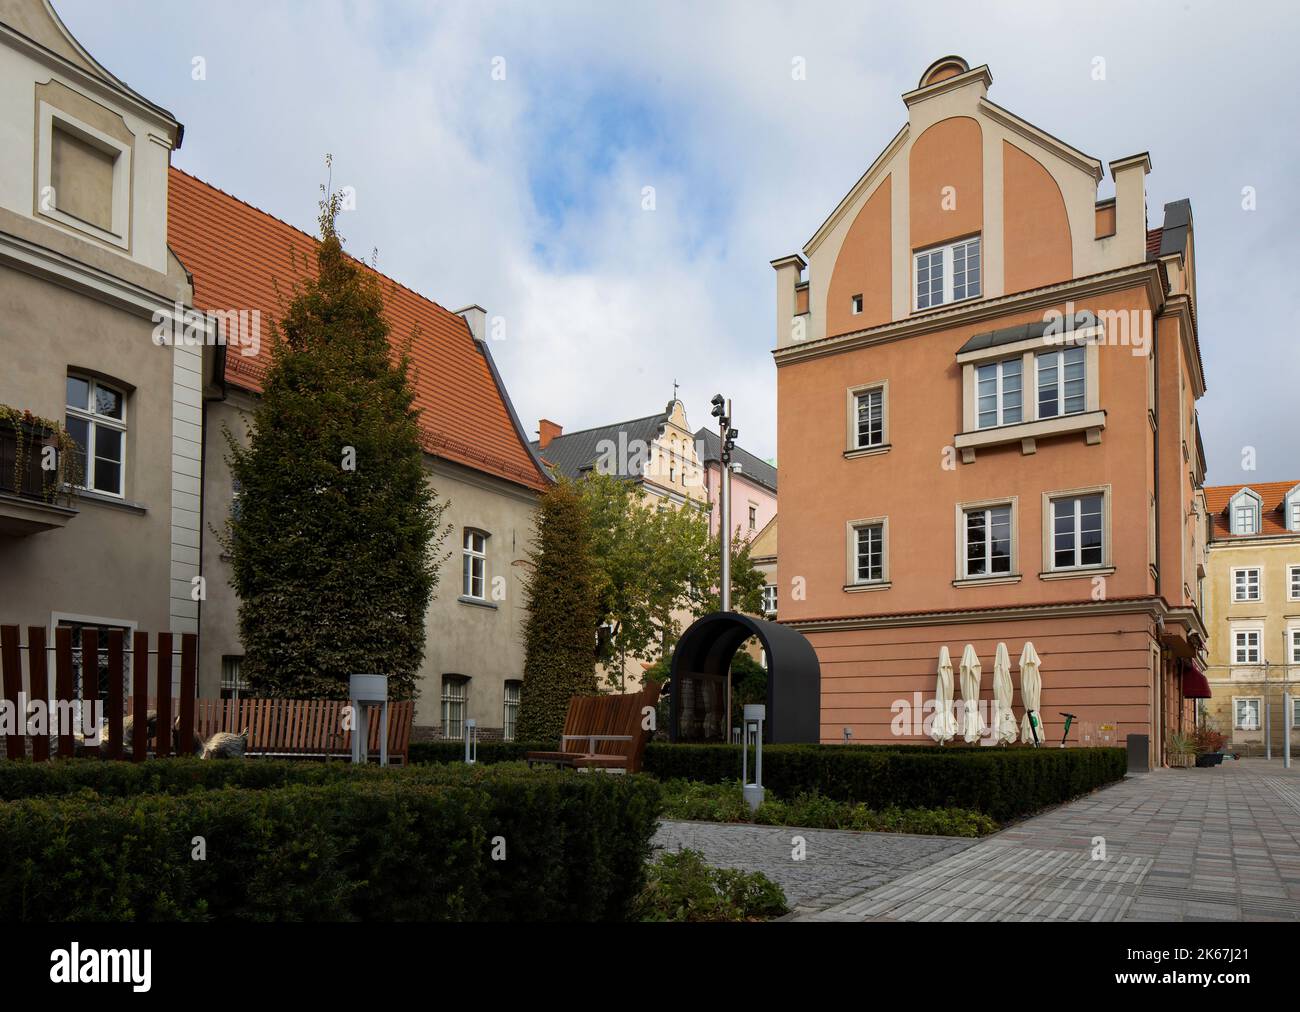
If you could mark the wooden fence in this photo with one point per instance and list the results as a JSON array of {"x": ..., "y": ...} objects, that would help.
[{"x": 113, "y": 695}]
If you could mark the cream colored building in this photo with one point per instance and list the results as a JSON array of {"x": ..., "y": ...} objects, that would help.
[
  {"x": 1253, "y": 612},
  {"x": 86, "y": 278}
]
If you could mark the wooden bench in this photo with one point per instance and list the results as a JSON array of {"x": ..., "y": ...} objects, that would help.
[
  {"x": 603, "y": 732},
  {"x": 301, "y": 728}
]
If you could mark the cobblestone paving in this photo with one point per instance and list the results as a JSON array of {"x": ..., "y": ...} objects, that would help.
[
  {"x": 1181, "y": 845},
  {"x": 838, "y": 865}
]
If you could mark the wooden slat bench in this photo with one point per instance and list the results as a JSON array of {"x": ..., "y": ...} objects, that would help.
[
  {"x": 603, "y": 732},
  {"x": 301, "y": 728}
]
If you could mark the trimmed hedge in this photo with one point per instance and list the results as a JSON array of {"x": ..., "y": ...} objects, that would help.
[
  {"x": 366, "y": 845},
  {"x": 488, "y": 751},
  {"x": 1004, "y": 783}
]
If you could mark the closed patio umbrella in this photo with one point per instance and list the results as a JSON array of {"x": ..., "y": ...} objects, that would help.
[
  {"x": 944, "y": 727},
  {"x": 972, "y": 727},
  {"x": 1031, "y": 687},
  {"x": 1004, "y": 718}
]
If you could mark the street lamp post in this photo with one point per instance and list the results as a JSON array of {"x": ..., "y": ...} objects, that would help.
[{"x": 727, "y": 440}]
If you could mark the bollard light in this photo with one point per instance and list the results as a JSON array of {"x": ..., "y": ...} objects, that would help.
[
  {"x": 363, "y": 690},
  {"x": 755, "y": 714},
  {"x": 471, "y": 741},
  {"x": 848, "y": 734}
]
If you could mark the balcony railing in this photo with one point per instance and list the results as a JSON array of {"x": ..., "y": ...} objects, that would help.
[{"x": 36, "y": 460}]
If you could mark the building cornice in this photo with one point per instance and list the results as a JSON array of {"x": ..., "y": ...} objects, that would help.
[
  {"x": 1147, "y": 274},
  {"x": 1022, "y": 128}
]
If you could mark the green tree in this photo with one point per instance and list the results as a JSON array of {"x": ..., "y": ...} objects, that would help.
[
  {"x": 334, "y": 539},
  {"x": 560, "y": 634},
  {"x": 654, "y": 565}
]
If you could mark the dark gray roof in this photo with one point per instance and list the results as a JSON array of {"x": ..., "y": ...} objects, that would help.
[
  {"x": 751, "y": 467},
  {"x": 1024, "y": 331},
  {"x": 1178, "y": 219},
  {"x": 575, "y": 453}
]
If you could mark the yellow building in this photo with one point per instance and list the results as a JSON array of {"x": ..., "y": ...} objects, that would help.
[{"x": 1252, "y": 611}]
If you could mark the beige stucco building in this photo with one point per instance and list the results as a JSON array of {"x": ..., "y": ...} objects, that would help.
[
  {"x": 87, "y": 287},
  {"x": 1253, "y": 612}
]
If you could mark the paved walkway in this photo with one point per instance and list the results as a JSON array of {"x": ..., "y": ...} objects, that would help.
[{"x": 1203, "y": 844}]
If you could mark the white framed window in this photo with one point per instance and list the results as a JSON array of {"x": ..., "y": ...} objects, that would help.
[
  {"x": 455, "y": 694},
  {"x": 1077, "y": 531},
  {"x": 1293, "y": 520},
  {"x": 947, "y": 273},
  {"x": 96, "y": 420},
  {"x": 987, "y": 541},
  {"x": 1245, "y": 584},
  {"x": 870, "y": 418},
  {"x": 856, "y": 305},
  {"x": 1062, "y": 382},
  {"x": 1244, "y": 512},
  {"x": 1245, "y": 712},
  {"x": 1293, "y": 583},
  {"x": 1294, "y": 634},
  {"x": 510, "y": 709},
  {"x": 474, "y": 565},
  {"x": 753, "y": 518},
  {"x": 869, "y": 553},
  {"x": 1245, "y": 646},
  {"x": 1295, "y": 711},
  {"x": 769, "y": 599},
  {"x": 999, "y": 390}
]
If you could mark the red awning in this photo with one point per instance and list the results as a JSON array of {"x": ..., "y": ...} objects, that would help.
[{"x": 1195, "y": 685}]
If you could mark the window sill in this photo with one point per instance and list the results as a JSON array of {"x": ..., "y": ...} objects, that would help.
[
  {"x": 1090, "y": 423},
  {"x": 859, "y": 588},
  {"x": 476, "y": 602},
  {"x": 945, "y": 305},
  {"x": 1083, "y": 572},
  {"x": 987, "y": 581},
  {"x": 85, "y": 495},
  {"x": 868, "y": 451}
]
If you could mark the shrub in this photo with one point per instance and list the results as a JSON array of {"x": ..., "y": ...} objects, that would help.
[
  {"x": 488, "y": 751},
  {"x": 352, "y": 844},
  {"x": 1003, "y": 783},
  {"x": 681, "y": 887}
]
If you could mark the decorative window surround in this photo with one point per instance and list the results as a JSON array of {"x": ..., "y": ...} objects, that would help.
[
  {"x": 1091, "y": 421},
  {"x": 1245, "y": 511},
  {"x": 942, "y": 275},
  {"x": 1246, "y": 712},
  {"x": 963, "y": 577},
  {"x": 852, "y": 581},
  {"x": 855, "y": 447},
  {"x": 119, "y": 234},
  {"x": 1103, "y": 568},
  {"x": 1293, "y": 583},
  {"x": 1247, "y": 585},
  {"x": 473, "y": 587}
]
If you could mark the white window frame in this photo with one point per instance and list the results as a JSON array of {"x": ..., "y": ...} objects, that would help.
[
  {"x": 963, "y": 546},
  {"x": 854, "y": 526},
  {"x": 854, "y": 442},
  {"x": 1237, "y": 724},
  {"x": 1237, "y": 507},
  {"x": 474, "y": 563},
  {"x": 1293, "y": 647},
  {"x": 1000, "y": 394},
  {"x": 947, "y": 256},
  {"x": 1257, "y": 648},
  {"x": 1076, "y": 497},
  {"x": 769, "y": 598},
  {"x": 855, "y": 305},
  {"x": 94, "y": 420},
  {"x": 455, "y": 698},
  {"x": 753, "y": 516},
  {"x": 119, "y": 234},
  {"x": 1293, "y": 583},
  {"x": 1241, "y": 588},
  {"x": 1057, "y": 358}
]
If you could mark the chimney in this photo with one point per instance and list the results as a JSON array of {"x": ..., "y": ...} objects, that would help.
[
  {"x": 546, "y": 431},
  {"x": 475, "y": 317}
]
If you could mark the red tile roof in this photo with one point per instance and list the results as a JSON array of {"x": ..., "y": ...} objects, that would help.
[
  {"x": 1272, "y": 492},
  {"x": 238, "y": 255},
  {"x": 1153, "y": 241}
]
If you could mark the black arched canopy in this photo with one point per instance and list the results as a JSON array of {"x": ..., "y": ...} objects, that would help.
[{"x": 701, "y": 674}]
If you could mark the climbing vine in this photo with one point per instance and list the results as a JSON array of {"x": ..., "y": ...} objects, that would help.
[{"x": 32, "y": 434}]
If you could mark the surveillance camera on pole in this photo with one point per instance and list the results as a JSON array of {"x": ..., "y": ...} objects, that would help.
[{"x": 727, "y": 441}]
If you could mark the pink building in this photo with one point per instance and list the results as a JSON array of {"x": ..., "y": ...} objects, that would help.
[{"x": 753, "y": 486}]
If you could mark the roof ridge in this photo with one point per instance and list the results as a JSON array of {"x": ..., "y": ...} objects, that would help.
[
  {"x": 609, "y": 425},
  {"x": 314, "y": 239}
]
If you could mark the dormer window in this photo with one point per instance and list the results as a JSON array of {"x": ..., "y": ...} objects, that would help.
[
  {"x": 1244, "y": 512},
  {"x": 1291, "y": 509},
  {"x": 947, "y": 274}
]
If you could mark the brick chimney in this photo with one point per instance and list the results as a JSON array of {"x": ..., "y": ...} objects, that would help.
[{"x": 546, "y": 431}]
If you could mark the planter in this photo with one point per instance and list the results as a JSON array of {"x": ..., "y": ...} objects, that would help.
[
  {"x": 1209, "y": 759},
  {"x": 1181, "y": 761}
]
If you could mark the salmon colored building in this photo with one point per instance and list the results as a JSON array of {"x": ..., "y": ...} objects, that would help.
[{"x": 987, "y": 381}]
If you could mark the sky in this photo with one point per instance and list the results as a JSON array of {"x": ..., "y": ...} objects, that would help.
[{"x": 502, "y": 154}]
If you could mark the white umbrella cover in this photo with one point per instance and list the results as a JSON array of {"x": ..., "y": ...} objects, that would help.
[
  {"x": 944, "y": 727},
  {"x": 1031, "y": 686},
  {"x": 1004, "y": 718},
  {"x": 973, "y": 727}
]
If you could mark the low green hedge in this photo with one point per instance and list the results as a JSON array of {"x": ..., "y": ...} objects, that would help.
[
  {"x": 488, "y": 751},
  {"x": 1004, "y": 783},
  {"x": 364, "y": 845}
]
